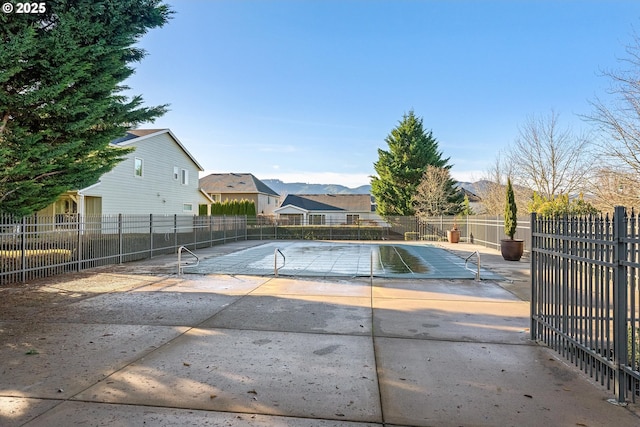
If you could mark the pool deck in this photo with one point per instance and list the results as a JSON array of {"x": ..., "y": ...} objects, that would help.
[{"x": 135, "y": 344}]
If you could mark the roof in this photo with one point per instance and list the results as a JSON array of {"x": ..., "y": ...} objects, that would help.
[
  {"x": 221, "y": 183},
  {"x": 139, "y": 135},
  {"x": 330, "y": 202}
]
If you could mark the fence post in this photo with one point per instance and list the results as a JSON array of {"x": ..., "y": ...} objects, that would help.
[
  {"x": 150, "y": 235},
  {"x": 120, "y": 243},
  {"x": 210, "y": 231},
  {"x": 194, "y": 225},
  {"x": 532, "y": 273},
  {"x": 23, "y": 250},
  {"x": 79, "y": 243},
  {"x": 619, "y": 300},
  {"x": 175, "y": 232}
]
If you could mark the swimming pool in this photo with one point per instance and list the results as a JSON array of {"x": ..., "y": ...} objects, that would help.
[{"x": 337, "y": 259}]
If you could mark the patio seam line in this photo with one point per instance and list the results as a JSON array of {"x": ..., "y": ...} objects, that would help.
[{"x": 375, "y": 353}]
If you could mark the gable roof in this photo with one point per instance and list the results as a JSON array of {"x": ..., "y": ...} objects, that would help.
[
  {"x": 139, "y": 135},
  {"x": 330, "y": 202},
  {"x": 308, "y": 204},
  {"x": 234, "y": 183}
]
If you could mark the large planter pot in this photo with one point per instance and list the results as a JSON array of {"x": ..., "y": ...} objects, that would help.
[
  {"x": 453, "y": 236},
  {"x": 511, "y": 249}
]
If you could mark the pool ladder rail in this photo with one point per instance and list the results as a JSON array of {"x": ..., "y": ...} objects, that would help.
[
  {"x": 181, "y": 265},
  {"x": 477, "y": 271},
  {"x": 275, "y": 261}
]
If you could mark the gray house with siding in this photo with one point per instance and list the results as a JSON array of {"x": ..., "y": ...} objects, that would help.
[
  {"x": 159, "y": 177},
  {"x": 223, "y": 187},
  {"x": 320, "y": 209}
]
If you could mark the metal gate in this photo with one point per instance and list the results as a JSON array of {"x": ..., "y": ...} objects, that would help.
[{"x": 585, "y": 299}]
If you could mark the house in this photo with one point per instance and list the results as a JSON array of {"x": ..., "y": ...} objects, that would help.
[
  {"x": 159, "y": 177},
  {"x": 222, "y": 187},
  {"x": 318, "y": 209}
]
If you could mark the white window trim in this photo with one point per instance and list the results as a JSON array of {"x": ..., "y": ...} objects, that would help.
[
  {"x": 187, "y": 207},
  {"x": 184, "y": 176}
]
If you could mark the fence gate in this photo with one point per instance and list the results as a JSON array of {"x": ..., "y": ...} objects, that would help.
[{"x": 585, "y": 300}]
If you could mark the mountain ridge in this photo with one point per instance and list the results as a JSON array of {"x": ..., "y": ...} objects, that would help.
[{"x": 281, "y": 187}]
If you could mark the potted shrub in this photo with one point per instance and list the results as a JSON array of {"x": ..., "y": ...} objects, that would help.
[
  {"x": 453, "y": 235},
  {"x": 511, "y": 248}
]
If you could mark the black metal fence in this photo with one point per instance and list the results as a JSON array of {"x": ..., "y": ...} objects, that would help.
[
  {"x": 40, "y": 246},
  {"x": 585, "y": 300}
]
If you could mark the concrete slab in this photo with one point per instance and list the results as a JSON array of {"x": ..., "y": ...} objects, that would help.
[
  {"x": 473, "y": 321},
  {"x": 467, "y": 290},
  {"x": 314, "y": 371},
  {"x": 16, "y": 411},
  {"x": 88, "y": 283},
  {"x": 94, "y": 414},
  {"x": 438, "y": 383},
  {"x": 57, "y": 361},
  {"x": 297, "y": 313},
  {"x": 147, "y": 308},
  {"x": 219, "y": 284},
  {"x": 310, "y": 286},
  {"x": 272, "y": 373}
]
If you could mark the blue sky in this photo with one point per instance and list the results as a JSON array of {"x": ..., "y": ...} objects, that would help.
[{"x": 307, "y": 91}]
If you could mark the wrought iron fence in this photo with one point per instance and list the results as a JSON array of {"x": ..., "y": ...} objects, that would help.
[
  {"x": 41, "y": 246},
  {"x": 585, "y": 301}
]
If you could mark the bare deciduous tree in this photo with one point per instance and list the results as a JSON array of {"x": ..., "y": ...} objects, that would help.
[
  {"x": 493, "y": 191},
  {"x": 434, "y": 194},
  {"x": 618, "y": 120},
  {"x": 615, "y": 187},
  {"x": 549, "y": 159}
]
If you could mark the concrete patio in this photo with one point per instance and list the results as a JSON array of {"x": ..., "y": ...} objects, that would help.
[{"x": 136, "y": 345}]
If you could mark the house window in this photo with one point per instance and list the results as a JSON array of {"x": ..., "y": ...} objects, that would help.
[
  {"x": 137, "y": 167},
  {"x": 352, "y": 219},
  {"x": 184, "y": 180},
  {"x": 291, "y": 219},
  {"x": 187, "y": 207},
  {"x": 176, "y": 173},
  {"x": 316, "y": 219}
]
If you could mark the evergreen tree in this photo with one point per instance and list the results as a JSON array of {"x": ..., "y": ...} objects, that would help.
[
  {"x": 251, "y": 208},
  {"x": 510, "y": 212},
  {"x": 61, "y": 101},
  {"x": 400, "y": 170}
]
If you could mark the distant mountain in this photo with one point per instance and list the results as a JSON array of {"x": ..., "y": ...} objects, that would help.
[
  {"x": 302, "y": 188},
  {"x": 476, "y": 188}
]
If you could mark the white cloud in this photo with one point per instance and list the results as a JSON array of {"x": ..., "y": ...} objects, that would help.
[
  {"x": 350, "y": 180},
  {"x": 467, "y": 176}
]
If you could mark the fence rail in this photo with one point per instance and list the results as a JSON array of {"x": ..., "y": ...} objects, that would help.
[
  {"x": 40, "y": 246},
  {"x": 485, "y": 230},
  {"x": 585, "y": 300}
]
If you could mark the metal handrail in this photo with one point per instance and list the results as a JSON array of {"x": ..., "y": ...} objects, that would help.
[
  {"x": 275, "y": 261},
  {"x": 478, "y": 264},
  {"x": 180, "y": 266}
]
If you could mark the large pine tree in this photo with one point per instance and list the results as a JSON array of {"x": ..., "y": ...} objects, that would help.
[
  {"x": 400, "y": 169},
  {"x": 61, "y": 100}
]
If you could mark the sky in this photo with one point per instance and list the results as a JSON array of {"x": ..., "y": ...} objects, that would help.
[{"x": 308, "y": 90}]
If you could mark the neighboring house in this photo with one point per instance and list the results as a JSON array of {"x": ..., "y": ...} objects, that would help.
[
  {"x": 475, "y": 202},
  {"x": 222, "y": 187},
  {"x": 318, "y": 209},
  {"x": 159, "y": 177}
]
